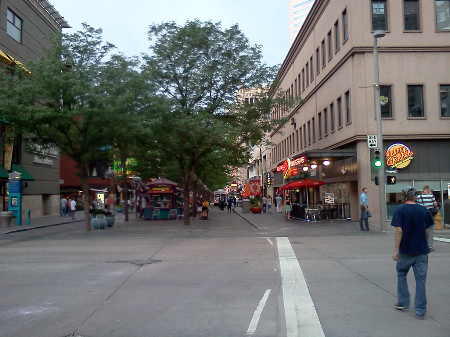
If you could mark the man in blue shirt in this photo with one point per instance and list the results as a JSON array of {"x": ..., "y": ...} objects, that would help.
[
  {"x": 364, "y": 204},
  {"x": 411, "y": 250}
]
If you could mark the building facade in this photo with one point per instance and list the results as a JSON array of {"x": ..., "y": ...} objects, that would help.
[
  {"x": 298, "y": 11},
  {"x": 24, "y": 27},
  {"x": 330, "y": 66}
]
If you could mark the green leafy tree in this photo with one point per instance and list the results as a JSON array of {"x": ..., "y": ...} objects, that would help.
[{"x": 200, "y": 67}]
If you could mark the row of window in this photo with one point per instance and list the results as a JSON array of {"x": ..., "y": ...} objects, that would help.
[
  {"x": 14, "y": 26},
  {"x": 306, "y": 76},
  {"x": 411, "y": 15},
  {"x": 328, "y": 120},
  {"x": 416, "y": 108}
]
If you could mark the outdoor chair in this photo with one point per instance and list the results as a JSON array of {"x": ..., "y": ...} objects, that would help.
[
  {"x": 173, "y": 214},
  {"x": 155, "y": 214}
]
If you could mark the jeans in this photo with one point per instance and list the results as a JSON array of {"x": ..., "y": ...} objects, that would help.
[
  {"x": 419, "y": 263},
  {"x": 264, "y": 208},
  {"x": 364, "y": 218},
  {"x": 63, "y": 211}
]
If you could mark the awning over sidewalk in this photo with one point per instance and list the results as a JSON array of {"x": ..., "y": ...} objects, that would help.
[{"x": 25, "y": 174}]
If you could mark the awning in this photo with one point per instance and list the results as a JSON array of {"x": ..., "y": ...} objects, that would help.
[
  {"x": 18, "y": 63},
  {"x": 3, "y": 173},
  {"x": 25, "y": 174},
  {"x": 4, "y": 58}
]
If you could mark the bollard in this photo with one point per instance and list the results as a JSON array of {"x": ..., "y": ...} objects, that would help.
[{"x": 28, "y": 217}]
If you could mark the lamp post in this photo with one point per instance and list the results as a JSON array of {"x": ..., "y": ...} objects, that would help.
[{"x": 382, "y": 187}]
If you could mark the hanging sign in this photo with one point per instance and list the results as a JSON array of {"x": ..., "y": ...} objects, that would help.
[{"x": 398, "y": 156}]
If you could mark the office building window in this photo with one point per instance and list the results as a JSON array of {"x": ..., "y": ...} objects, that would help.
[
  {"x": 324, "y": 54},
  {"x": 345, "y": 25},
  {"x": 301, "y": 139},
  {"x": 415, "y": 101},
  {"x": 411, "y": 14},
  {"x": 314, "y": 130},
  {"x": 14, "y": 26},
  {"x": 445, "y": 100},
  {"x": 317, "y": 61},
  {"x": 320, "y": 124},
  {"x": 304, "y": 134},
  {"x": 332, "y": 116},
  {"x": 312, "y": 68},
  {"x": 325, "y": 121},
  {"x": 303, "y": 79},
  {"x": 379, "y": 15},
  {"x": 330, "y": 45},
  {"x": 385, "y": 101},
  {"x": 307, "y": 74},
  {"x": 337, "y": 42},
  {"x": 309, "y": 133},
  {"x": 296, "y": 139},
  {"x": 442, "y": 14},
  {"x": 299, "y": 84},
  {"x": 347, "y": 108},
  {"x": 339, "y": 108}
]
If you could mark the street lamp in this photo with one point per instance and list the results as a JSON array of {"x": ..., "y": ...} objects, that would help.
[{"x": 382, "y": 187}]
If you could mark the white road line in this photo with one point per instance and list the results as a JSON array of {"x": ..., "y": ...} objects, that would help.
[
  {"x": 255, "y": 320},
  {"x": 441, "y": 239},
  {"x": 300, "y": 313}
]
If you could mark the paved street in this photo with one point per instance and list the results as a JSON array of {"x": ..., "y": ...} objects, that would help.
[{"x": 232, "y": 275}]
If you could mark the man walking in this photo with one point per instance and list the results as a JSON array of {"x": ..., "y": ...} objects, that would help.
[
  {"x": 278, "y": 200},
  {"x": 63, "y": 206},
  {"x": 412, "y": 222},
  {"x": 364, "y": 204},
  {"x": 264, "y": 204},
  {"x": 73, "y": 207},
  {"x": 426, "y": 199}
]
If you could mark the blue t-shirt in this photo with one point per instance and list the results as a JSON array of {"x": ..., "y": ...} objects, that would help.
[
  {"x": 363, "y": 199},
  {"x": 414, "y": 219}
]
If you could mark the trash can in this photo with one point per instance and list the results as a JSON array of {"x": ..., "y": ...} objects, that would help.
[
  {"x": 6, "y": 217},
  {"x": 245, "y": 206}
]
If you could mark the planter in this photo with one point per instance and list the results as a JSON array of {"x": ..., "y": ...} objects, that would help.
[
  {"x": 255, "y": 209},
  {"x": 110, "y": 220},
  {"x": 99, "y": 222}
]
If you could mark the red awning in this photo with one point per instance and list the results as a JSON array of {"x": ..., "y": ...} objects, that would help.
[{"x": 307, "y": 182}]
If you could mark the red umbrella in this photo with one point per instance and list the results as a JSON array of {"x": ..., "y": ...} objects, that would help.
[{"x": 307, "y": 182}]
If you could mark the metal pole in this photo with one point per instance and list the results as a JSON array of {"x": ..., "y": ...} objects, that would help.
[{"x": 382, "y": 183}]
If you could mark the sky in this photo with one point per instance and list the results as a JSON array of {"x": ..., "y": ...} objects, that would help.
[{"x": 125, "y": 23}]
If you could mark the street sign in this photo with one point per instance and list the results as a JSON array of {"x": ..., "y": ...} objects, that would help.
[{"x": 372, "y": 142}]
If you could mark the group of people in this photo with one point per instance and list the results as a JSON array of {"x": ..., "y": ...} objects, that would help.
[
  {"x": 414, "y": 224},
  {"x": 68, "y": 207}
]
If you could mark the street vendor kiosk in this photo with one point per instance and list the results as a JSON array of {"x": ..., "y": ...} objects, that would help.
[{"x": 163, "y": 196}]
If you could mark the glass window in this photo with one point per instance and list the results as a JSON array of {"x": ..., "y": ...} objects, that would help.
[
  {"x": 445, "y": 100},
  {"x": 14, "y": 26},
  {"x": 379, "y": 15},
  {"x": 324, "y": 54},
  {"x": 312, "y": 68},
  {"x": 303, "y": 79},
  {"x": 309, "y": 133},
  {"x": 307, "y": 74},
  {"x": 330, "y": 45},
  {"x": 347, "y": 107},
  {"x": 339, "y": 107},
  {"x": 415, "y": 101},
  {"x": 345, "y": 25},
  {"x": 304, "y": 133},
  {"x": 332, "y": 116},
  {"x": 385, "y": 100},
  {"x": 411, "y": 12},
  {"x": 336, "y": 36},
  {"x": 320, "y": 124},
  {"x": 317, "y": 61},
  {"x": 443, "y": 14},
  {"x": 314, "y": 129},
  {"x": 325, "y": 121}
]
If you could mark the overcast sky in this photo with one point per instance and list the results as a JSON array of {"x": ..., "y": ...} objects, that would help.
[{"x": 125, "y": 23}]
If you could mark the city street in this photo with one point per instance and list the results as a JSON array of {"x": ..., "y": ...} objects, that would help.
[{"x": 232, "y": 275}]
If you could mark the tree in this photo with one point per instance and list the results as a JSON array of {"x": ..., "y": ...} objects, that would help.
[
  {"x": 200, "y": 67},
  {"x": 61, "y": 101}
]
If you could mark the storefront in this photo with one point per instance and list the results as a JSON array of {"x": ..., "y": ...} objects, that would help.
[{"x": 163, "y": 196}]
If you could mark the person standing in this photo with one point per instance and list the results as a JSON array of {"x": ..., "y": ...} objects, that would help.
[
  {"x": 229, "y": 204},
  {"x": 269, "y": 204},
  {"x": 264, "y": 204},
  {"x": 73, "y": 207},
  {"x": 364, "y": 204},
  {"x": 426, "y": 199},
  {"x": 412, "y": 222},
  {"x": 63, "y": 206},
  {"x": 278, "y": 201},
  {"x": 287, "y": 205}
]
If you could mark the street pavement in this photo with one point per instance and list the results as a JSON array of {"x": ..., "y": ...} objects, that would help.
[{"x": 235, "y": 274}]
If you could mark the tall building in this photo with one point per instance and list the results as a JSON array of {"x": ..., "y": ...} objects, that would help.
[
  {"x": 298, "y": 11},
  {"x": 331, "y": 67},
  {"x": 24, "y": 28}
]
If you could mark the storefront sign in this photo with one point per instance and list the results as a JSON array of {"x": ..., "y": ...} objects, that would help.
[
  {"x": 48, "y": 150},
  {"x": 288, "y": 167},
  {"x": 43, "y": 161},
  {"x": 398, "y": 156},
  {"x": 254, "y": 187},
  {"x": 269, "y": 179}
]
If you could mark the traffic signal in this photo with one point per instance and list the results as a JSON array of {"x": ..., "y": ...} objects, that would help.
[
  {"x": 391, "y": 180},
  {"x": 377, "y": 160}
]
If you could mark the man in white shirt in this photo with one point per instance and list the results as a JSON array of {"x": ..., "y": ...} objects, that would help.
[
  {"x": 73, "y": 207},
  {"x": 278, "y": 200}
]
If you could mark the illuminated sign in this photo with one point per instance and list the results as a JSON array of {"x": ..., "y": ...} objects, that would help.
[
  {"x": 287, "y": 167},
  {"x": 269, "y": 179},
  {"x": 398, "y": 156}
]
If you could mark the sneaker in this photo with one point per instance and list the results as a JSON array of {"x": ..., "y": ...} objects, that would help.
[
  {"x": 398, "y": 306},
  {"x": 421, "y": 317}
]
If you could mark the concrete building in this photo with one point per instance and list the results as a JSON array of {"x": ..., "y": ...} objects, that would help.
[
  {"x": 331, "y": 67},
  {"x": 24, "y": 26},
  {"x": 298, "y": 11}
]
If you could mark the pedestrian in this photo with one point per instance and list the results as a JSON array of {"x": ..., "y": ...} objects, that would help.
[
  {"x": 230, "y": 203},
  {"x": 278, "y": 202},
  {"x": 287, "y": 205},
  {"x": 364, "y": 204},
  {"x": 143, "y": 207},
  {"x": 73, "y": 207},
  {"x": 412, "y": 222},
  {"x": 63, "y": 206},
  {"x": 426, "y": 199},
  {"x": 264, "y": 204},
  {"x": 205, "y": 207},
  {"x": 269, "y": 204}
]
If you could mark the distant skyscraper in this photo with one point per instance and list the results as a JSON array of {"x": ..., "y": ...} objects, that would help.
[{"x": 298, "y": 11}]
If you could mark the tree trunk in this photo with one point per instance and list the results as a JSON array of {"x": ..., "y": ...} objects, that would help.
[{"x": 86, "y": 203}]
